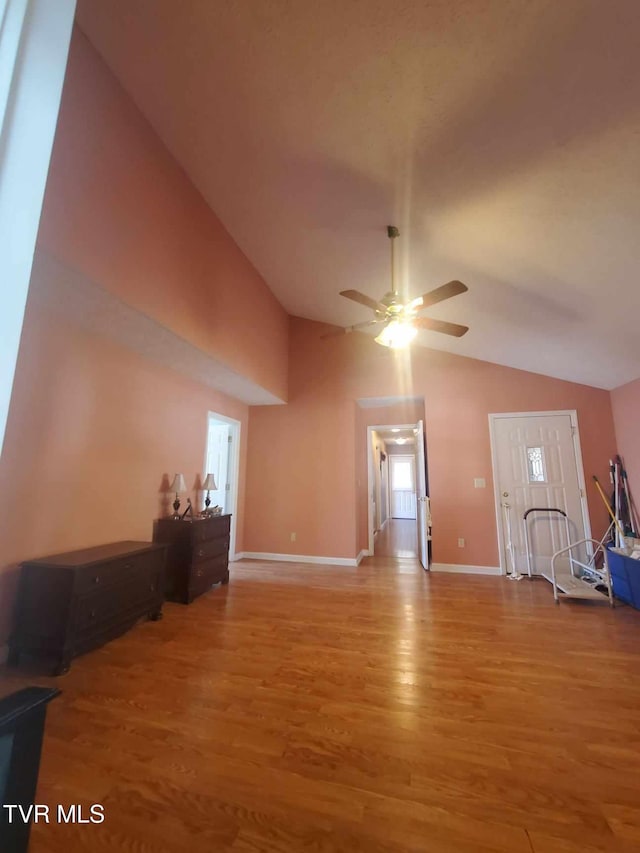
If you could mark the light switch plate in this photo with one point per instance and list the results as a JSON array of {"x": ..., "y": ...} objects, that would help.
[{"x": 479, "y": 483}]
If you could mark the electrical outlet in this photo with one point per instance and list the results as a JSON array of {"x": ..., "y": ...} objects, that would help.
[
  {"x": 293, "y": 537},
  {"x": 460, "y": 542}
]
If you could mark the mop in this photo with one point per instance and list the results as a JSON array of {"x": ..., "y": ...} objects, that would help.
[
  {"x": 514, "y": 574},
  {"x": 605, "y": 501}
]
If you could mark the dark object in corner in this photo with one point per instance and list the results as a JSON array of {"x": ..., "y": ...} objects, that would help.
[
  {"x": 22, "y": 718},
  {"x": 70, "y": 603}
]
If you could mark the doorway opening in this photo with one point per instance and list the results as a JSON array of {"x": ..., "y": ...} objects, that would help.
[
  {"x": 399, "y": 518},
  {"x": 222, "y": 459}
]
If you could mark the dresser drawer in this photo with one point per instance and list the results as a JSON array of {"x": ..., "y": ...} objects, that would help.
[
  {"x": 210, "y": 548},
  {"x": 101, "y": 605},
  {"x": 93, "y": 610},
  {"x": 206, "y": 573},
  {"x": 116, "y": 571},
  {"x": 211, "y": 528}
]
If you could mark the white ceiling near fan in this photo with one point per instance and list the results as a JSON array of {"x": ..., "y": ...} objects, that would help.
[{"x": 501, "y": 136}]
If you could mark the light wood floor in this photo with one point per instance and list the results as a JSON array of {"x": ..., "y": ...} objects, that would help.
[
  {"x": 375, "y": 710},
  {"x": 397, "y": 538}
]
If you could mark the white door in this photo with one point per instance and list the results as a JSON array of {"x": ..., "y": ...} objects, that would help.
[
  {"x": 423, "y": 514},
  {"x": 403, "y": 487},
  {"x": 217, "y": 463},
  {"x": 536, "y": 465}
]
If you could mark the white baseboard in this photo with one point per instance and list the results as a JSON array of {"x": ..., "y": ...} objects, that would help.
[
  {"x": 468, "y": 570},
  {"x": 299, "y": 558},
  {"x": 361, "y": 555}
]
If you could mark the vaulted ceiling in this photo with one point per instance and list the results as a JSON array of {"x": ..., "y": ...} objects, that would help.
[{"x": 501, "y": 136}]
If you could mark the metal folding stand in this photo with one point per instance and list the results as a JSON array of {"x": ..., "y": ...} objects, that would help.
[
  {"x": 547, "y": 510},
  {"x": 582, "y": 579}
]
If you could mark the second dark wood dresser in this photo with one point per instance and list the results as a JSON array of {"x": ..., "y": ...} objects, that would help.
[
  {"x": 70, "y": 603},
  {"x": 198, "y": 554}
]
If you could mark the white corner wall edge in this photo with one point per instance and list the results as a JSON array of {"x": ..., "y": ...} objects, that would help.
[
  {"x": 468, "y": 570},
  {"x": 298, "y": 558},
  {"x": 34, "y": 43}
]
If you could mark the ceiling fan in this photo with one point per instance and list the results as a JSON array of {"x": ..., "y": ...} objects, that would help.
[{"x": 401, "y": 323}]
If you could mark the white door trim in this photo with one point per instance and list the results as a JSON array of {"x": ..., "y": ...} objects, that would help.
[
  {"x": 371, "y": 475},
  {"x": 573, "y": 416},
  {"x": 234, "y": 468}
]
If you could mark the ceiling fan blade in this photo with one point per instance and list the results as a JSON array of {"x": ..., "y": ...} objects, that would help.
[
  {"x": 363, "y": 299},
  {"x": 337, "y": 332},
  {"x": 446, "y": 291},
  {"x": 440, "y": 326},
  {"x": 364, "y": 325}
]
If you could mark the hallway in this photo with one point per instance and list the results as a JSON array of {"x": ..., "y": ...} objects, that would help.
[{"x": 398, "y": 538}]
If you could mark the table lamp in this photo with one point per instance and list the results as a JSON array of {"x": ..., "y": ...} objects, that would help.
[
  {"x": 210, "y": 485},
  {"x": 177, "y": 486}
]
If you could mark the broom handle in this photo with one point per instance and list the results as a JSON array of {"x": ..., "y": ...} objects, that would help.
[{"x": 606, "y": 503}]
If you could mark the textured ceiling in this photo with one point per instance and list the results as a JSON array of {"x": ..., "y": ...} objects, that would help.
[{"x": 502, "y": 138}]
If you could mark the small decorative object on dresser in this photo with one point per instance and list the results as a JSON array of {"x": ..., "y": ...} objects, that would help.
[
  {"x": 71, "y": 603},
  {"x": 198, "y": 554}
]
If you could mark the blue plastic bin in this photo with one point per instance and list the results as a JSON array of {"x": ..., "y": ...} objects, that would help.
[{"x": 625, "y": 577}]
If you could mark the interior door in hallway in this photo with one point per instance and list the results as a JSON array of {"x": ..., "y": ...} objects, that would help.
[
  {"x": 423, "y": 510},
  {"x": 537, "y": 464},
  {"x": 403, "y": 486}
]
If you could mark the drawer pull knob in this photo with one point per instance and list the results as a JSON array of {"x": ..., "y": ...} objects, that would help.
[
  {"x": 152, "y": 587},
  {"x": 199, "y": 573},
  {"x": 128, "y": 566},
  {"x": 96, "y": 579},
  {"x": 92, "y": 614},
  {"x": 201, "y": 552}
]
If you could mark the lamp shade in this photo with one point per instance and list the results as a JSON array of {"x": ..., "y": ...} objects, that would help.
[
  {"x": 178, "y": 484},
  {"x": 209, "y": 483}
]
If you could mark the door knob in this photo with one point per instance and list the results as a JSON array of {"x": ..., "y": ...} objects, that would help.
[{"x": 505, "y": 494}]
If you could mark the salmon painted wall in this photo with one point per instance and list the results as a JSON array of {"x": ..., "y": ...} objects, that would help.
[
  {"x": 120, "y": 210},
  {"x": 625, "y": 401},
  {"x": 93, "y": 426},
  {"x": 320, "y": 423},
  {"x": 92, "y": 429}
]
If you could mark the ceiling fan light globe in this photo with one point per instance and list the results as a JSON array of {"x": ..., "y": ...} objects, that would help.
[{"x": 396, "y": 335}]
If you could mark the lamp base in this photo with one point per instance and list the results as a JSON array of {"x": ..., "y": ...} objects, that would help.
[{"x": 176, "y": 507}]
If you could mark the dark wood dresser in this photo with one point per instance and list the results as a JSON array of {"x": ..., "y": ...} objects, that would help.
[
  {"x": 70, "y": 603},
  {"x": 198, "y": 554}
]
